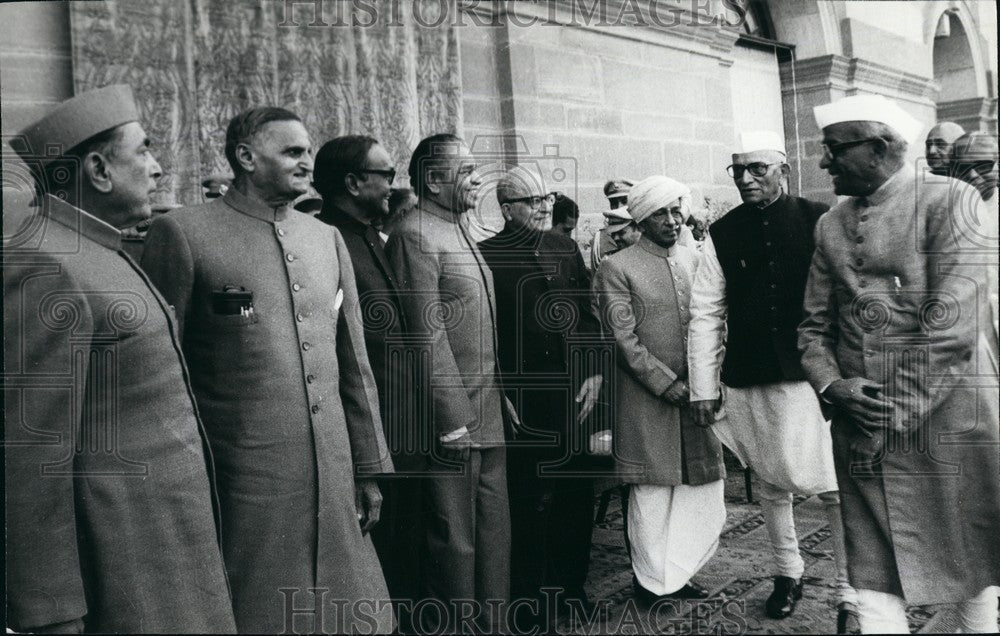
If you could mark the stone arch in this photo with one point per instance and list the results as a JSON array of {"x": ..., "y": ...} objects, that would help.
[{"x": 963, "y": 27}]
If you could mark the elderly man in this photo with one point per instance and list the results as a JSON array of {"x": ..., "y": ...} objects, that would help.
[
  {"x": 544, "y": 321},
  {"x": 676, "y": 508},
  {"x": 268, "y": 309},
  {"x": 892, "y": 339},
  {"x": 450, "y": 308},
  {"x": 747, "y": 302},
  {"x": 354, "y": 175},
  {"x": 938, "y": 146},
  {"x": 109, "y": 517}
]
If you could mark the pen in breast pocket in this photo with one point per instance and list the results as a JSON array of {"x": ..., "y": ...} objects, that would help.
[{"x": 897, "y": 286}]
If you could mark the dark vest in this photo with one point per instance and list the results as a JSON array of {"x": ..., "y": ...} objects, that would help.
[{"x": 765, "y": 256}]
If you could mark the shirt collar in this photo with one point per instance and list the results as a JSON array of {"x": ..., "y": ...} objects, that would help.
[
  {"x": 80, "y": 221},
  {"x": 257, "y": 209},
  {"x": 657, "y": 250}
]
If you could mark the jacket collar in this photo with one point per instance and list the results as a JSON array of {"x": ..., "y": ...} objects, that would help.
[
  {"x": 335, "y": 216},
  {"x": 80, "y": 221},
  {"x": 257, "y": 209},
  {"x": 893, "y": 186},
  {"x": 657, "y": 250},
  {"x": 519, "y": 236},
  {"x": 439, "y": 211}
]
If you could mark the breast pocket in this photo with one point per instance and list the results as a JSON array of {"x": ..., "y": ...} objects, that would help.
[{"x": 232, "y": 322}]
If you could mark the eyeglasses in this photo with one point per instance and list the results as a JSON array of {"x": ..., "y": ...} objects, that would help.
[
  {"x": 390, "y": 174},
  {"x": 830, "y": 151},
  {"x": 536, "y": 201},
  {"x": 757, "y": 169}
]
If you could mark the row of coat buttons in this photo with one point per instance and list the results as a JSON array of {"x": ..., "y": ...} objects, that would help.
[{"x": 310, "y": 378}]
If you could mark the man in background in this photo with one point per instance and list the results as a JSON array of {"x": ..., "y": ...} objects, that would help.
[
  {"x": 604, "y": 243},
  {"x": 565, "y": 215},
  {"x": 938, "y": 146}
]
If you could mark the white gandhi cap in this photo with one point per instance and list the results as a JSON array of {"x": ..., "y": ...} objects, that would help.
[
  {"x": 869, "y": 108},
  {"x": 757, "y": 140}
]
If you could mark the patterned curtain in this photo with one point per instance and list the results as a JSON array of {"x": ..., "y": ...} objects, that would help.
[{"x": 195, "y": 64}]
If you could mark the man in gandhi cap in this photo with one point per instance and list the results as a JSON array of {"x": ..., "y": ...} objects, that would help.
[
  {"x": 895, "y": 339},
  {"x": 676, "y": 508},
  {"x": 109, "y": 515},
  {"x": 938, "y": 146},
  {"x": 747, "y": 303},
  {"x": 544, "y": 322}
]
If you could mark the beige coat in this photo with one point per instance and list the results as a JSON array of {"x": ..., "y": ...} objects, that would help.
[
  {"x": 287, "y": 397},
  {"x": 644, "y": 293},
  {"x": 892, "y": 297}
]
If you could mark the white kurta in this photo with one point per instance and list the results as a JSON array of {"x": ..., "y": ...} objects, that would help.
[
  {"x": 776, "y": 429},
  {"x": 674, "y": 531}
]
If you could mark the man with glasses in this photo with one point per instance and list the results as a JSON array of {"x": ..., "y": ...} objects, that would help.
[
  {"x": 449, "y": 307},
  {"x": 747, "y": 303},
  {"x": 268, "y": 313},
  {"x": 543, "y": 304},
  {"x": 354, "y": 175},
  {"x": 895, "y": 338}
]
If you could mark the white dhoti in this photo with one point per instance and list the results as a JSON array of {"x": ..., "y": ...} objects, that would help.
[
  {"x": 779, "y": 431},
  {"x": 674, "y": 531}
]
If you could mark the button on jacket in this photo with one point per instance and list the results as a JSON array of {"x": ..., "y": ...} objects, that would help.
[{"x": 288, "y": 398}]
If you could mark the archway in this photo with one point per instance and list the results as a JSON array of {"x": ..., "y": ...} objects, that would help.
[{"x": 962, "y": 97}]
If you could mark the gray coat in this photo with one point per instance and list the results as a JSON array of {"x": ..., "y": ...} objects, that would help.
[
  {"x": 108, "y": 496},
  {"x": 448, "y": 301},
  {"x": 644, "y": 293},
  {"x": 287, "y": 396},
  {"x": 893, "y": 298}
]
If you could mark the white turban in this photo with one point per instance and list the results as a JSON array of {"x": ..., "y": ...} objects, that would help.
[{"x": 657, "y": 192}]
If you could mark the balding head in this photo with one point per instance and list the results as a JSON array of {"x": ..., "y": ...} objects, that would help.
[
  {"x": 523, "y": 200},
  {"x": 939, "y": 144}
]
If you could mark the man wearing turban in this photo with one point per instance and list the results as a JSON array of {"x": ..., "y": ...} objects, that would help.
[
  {"x": 746, "y": 306},
  {"x": 676, "y": 508},
  {"x": 896, "y": 340}
]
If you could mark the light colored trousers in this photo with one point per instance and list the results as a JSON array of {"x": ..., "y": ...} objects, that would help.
[
  {"x": 777, "y": 506},
  {"x": 882, "y": 613}
]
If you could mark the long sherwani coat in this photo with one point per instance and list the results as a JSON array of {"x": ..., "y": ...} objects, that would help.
[
  {"x": 893, "y": 298},
  {"x": 644, "y": 291},
  {"x": 288, "y": 400},
  {"x": 109, "y": 507}
]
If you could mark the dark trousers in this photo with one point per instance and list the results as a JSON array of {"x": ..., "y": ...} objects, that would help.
[
  {"x": 551, "y": 529},
  {"x": 397, "y": 536},
  {"x": 467, "y": 526}
]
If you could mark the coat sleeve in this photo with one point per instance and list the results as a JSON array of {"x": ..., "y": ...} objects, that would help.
[
  {"x": 619, "y": 315},
  {"x": 417, "y": 269},
  {"x": 167, "y": 260},
  {"x": 44, "y": 579},
  {"x": 818, "y": 330},
  {"x": 358, "y": 391},
  {"x": 707, "y": 326}
]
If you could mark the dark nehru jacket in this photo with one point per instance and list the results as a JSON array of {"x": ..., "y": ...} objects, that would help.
[{"x": 765, "y": 256}]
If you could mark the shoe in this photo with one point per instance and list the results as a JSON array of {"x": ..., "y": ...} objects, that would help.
[
  {"x": 847, "y": 619},
  {"x": 689, "y": 591},
  {"x": 781, "y": 603}
]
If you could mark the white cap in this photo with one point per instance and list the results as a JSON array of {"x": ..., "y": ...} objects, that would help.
[
  {"x": 761, "y": 140},
  {"x": 869, "y": 108}
]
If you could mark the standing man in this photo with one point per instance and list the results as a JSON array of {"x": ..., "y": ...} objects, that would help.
[
  {"x": 604, "y": 243},
  {"x": 565, "y": 214},
  {"x": 109, "y": 504},
  {"x": 748, "y": 293},
  {"x": 543, "y": 314},
  {"x": 892, "y": 339},
  {"x": 938, "y": 146},
  {"x": 450, "y": 305},
  {"x": 354, "y": 175},
  {"x": 268, "y": 309},
  {"x": 676, "y": 508}
]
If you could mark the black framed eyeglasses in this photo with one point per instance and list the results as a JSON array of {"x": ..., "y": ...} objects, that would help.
[
  {"x": 830, "y": 151},
  {"x": 757, "y": 169},
  {"x": 536, "y": 201},
  {"x": 389, "y": 174}
]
